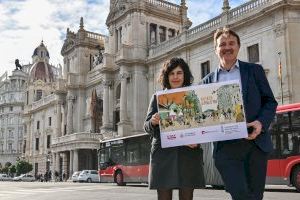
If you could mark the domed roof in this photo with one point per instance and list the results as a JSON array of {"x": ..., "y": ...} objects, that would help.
[
  {"x": 41, "y": 71},
  {"x": 41, "y": 48}
]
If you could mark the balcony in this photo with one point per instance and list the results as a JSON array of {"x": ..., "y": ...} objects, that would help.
[{"x": 80, "y": 140}]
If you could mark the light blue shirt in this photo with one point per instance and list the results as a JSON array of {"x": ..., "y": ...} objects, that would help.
[{"x": 232, "y": 74}]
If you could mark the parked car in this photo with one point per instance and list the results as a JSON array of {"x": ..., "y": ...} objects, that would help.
[
  {"x": 5, "y": 177},
  {"x": 75, "y": 176},
  {"x": 88, "y": 176},
  {"x": 24, "y": 177}
]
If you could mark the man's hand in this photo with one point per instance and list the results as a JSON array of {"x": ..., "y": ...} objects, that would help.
[
  {"x": 155, "y": 119},
  {"x": 257, "y": 126}
]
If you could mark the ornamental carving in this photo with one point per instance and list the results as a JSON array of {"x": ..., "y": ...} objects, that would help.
[
  {"x": 124, "y": 75},
  {"x": 107, "y": 83},
  {"x": 279, "y": 29},
  {"x": 69, "y": 44}
]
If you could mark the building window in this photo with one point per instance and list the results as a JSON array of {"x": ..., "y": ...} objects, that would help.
[
  {"x": 153, "y": 28},
  {"x": 48, "y": 141},
  {"x": 117, "y": 39},
  {"x": 162, "y": 34},
  {"x": 49, "y": 119},
  {"x": 205, "y": 69},
  {"x": 38, "y": 125},
  {"x": 10, "y": 134},
  {"x": 37, "y": 144},
  {"x": 11, "y": 108},
  {"x": 24, "y": 146},
  {"x": 9, "y": 147},
  {"x": 253, "y": 53},
  {"x": 39, "y": 94},
  {"x": 171, "y": 33},
  {"x": 27, "y": 98}
]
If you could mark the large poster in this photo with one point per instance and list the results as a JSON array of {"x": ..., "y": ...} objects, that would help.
[{"x": 201, "y": 113}]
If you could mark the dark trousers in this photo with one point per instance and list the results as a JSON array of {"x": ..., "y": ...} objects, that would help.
[{"x": 243, "y": 167}]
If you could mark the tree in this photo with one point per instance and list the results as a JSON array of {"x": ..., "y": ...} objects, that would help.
[
  {"x": 12, "y": 169},
  {"x": 23, "y": 167}
]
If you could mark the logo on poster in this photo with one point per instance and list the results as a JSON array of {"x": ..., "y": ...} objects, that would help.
[{"x": 171, "y": 137}]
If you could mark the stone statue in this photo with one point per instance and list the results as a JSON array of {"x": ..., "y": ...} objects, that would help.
[
  {"x": 97, "y": 59},
  {"x": 18, "y": 66}
]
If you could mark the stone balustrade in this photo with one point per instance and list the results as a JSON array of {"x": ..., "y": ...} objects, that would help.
[
  {"x": 44, "y": 101},
  {"x": 202, "y": 29},
  {"x": 164, "y": 4},
  {"x": 211, "y": 24},
  {"x": 95, "y": 36},
  {"x": 247, "y": 7},
  {"x": 166, "y": 45},
  {"x": 82, "y": 136}
]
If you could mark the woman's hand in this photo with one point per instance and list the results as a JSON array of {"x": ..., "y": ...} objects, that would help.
[
  {"x": 155, "y": 119},
  {"x": 192, "y": 146}
]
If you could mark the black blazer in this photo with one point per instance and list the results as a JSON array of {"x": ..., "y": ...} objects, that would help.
[{"x": 258, "y": 98}]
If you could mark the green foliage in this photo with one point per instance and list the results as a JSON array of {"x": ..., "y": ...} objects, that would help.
[
  {"x": 12, "y": 169},
  {"x": 23, "y": 167},
  {"x": 5, "y": 170}
]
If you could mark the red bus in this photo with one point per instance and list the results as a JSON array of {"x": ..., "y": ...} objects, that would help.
[
  {"x": 284, "y": 161},
  {"x": 125, "y": 160}
]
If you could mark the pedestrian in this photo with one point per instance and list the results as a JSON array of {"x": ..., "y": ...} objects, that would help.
[
  {"x": 64, "y": 177},
  {"x": 175, "y": 167},
  {"x": 242, "y": 163}
]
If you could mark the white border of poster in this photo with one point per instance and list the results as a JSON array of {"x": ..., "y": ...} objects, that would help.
[{"x": 201, "y": 113}]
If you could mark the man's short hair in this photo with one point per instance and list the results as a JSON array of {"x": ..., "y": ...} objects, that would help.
[{"x": 225, "y": 31}]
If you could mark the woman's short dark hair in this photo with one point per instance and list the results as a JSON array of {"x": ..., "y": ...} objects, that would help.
[{"x": 171, "y": 64}]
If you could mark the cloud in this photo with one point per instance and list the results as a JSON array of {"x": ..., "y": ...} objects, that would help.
[{"x": 24, "y": 23}]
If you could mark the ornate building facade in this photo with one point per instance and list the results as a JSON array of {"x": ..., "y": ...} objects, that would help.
[
  {"x": 106, "y": 82},
  {"x": 11, "y": 116}
]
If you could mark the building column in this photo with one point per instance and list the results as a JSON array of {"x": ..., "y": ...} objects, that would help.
[
  {"x": 71, "y": 162},
  {"x": 58, "y": 120},
  {"x": 124, "y": 126},
  {"x": 70, "y": 114},
  {"x": 123, "y": 98},
  {"x": 57, "y": 156},
  {"x": 80, "y": 114},
  {"x": 75, "y": 160},
  {"x": 107, "y": 84},
  {"x": 111, "y": 105}
]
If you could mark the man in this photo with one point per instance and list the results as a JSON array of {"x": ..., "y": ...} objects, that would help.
[{"x": 242, "y": 163}]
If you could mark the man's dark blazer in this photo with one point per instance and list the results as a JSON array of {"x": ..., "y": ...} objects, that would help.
[{"x": 258, "y": 98}]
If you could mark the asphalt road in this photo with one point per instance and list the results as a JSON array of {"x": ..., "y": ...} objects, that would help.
[{"x": 103, "y": 191}]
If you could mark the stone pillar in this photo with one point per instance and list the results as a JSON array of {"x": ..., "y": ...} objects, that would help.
[
  {"x": 123, "y": 98},
  {"x": 58, "y": 121},
  {"x": 75, "y": 160},
  {"x": 57, "y": 156},
  {"x": 80, "y": 109},
  {"x": 105, "y": 118},
  {"x": 140, "y": 98},
  {"x": 111, "y": 105},
  {"x": 70, "y": 99},
  {"x": 53, "y": 166},
  {"x": 71, "y": 162},
  {"x": 124, "y": 126}
]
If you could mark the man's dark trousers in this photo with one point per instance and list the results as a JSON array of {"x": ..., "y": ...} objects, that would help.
[{"x": 243, "y": 167}]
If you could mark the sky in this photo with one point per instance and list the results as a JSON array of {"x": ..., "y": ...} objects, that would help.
[{"x": 25, "y": 23}]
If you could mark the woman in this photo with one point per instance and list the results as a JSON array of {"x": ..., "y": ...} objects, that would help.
[{"x": 176, "y": 167}]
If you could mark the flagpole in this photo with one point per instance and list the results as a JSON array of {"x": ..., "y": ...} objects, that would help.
[{"x": 280, "y": 77}]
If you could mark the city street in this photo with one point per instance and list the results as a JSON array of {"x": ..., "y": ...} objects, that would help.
[{"x": 103, "y": 191}]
